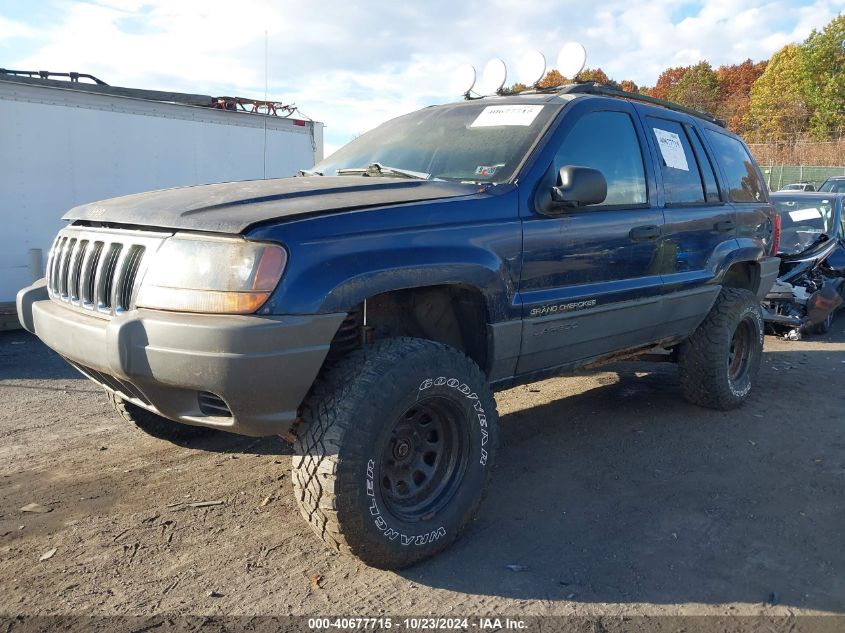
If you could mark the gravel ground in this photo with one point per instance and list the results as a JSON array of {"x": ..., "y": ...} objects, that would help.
[{"x": 616, "y": 496}]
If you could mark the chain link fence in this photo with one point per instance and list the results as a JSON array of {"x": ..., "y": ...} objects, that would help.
[{"x": 784, "y": 163}]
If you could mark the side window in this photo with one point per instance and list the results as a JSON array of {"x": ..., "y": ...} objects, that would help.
[
  {"x": 708, "y": 175},
  {"x": 607, "y": 141},
  {"x": 682, "y": 183},
  {"x": 743, "y": 182}
]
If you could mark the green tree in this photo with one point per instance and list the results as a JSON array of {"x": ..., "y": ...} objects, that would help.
[
  {"x": 698, "y": 88},
  {"x": 778, "y": 108},
  {"x": 824, "y": 80}
]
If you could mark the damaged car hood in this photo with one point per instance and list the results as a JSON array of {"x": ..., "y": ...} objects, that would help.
[{"x": 232, "y": 207}]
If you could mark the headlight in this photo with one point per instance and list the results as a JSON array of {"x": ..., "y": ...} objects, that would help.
[{"x": 211, "y": 274}]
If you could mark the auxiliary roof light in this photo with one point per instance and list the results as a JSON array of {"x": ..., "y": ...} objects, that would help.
[
  {"x": 493, "y": 77},
  {"x": 463, "y": 80},
  {"x": 530, "y": 70},
  {"x": 571, "y": 59}
]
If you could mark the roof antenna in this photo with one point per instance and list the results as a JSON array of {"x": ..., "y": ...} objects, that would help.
[{"x": 266, "y": 114}]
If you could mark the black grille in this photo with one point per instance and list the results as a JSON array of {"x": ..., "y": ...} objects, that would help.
[{"x": 96, "y": 270}]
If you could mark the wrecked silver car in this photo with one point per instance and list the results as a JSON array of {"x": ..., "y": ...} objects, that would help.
[{"x": 811, "y": 281}]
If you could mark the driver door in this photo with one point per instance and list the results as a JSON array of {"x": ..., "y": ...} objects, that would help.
[{"x": 591, "y": 281}]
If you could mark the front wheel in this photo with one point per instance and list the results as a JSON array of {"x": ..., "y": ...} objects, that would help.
[
  {"x": 396, "y": 452},
  {"x": 720, "y": 361}
]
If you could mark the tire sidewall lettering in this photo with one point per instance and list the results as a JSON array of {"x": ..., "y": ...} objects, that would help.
[
  {"x": 480, "y": 415},
  {"x": 388, "y": 528},
  {"x": 388, "y": 532}
]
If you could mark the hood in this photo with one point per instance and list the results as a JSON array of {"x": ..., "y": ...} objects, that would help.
[{"x": 232, "y": 207}]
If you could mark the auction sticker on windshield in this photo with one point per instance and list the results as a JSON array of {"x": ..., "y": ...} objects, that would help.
[
  {"x": 492, "y": 116},
  {"x": 804, "y": 214}
]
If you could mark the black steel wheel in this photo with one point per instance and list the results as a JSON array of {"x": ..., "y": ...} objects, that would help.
[
  {"x": 423, "y": 463},
  {"x": 395, "y": 451}
]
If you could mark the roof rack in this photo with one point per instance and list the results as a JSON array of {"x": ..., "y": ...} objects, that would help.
[
  {"x": 237, "y": 104},
  {"x": 46, "y": 74},
  {"x": 593, "y": 88}
]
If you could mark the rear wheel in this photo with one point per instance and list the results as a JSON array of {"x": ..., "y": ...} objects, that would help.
[
  {"x": 719, "y": 362},
  {"x": 156, "y": 425},
  {"x": 396, "y": 451}
]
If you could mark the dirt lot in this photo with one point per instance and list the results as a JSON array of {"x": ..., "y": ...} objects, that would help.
[{"x": 616, "y": 495}]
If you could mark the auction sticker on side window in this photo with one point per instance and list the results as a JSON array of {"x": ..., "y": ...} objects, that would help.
[
  {"x": 671, "y": 149},
  {"x": 804, "y": 214},
  {"x": 492, "y": 116}
]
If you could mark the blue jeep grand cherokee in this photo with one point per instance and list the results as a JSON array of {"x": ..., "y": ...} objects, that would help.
[{"x": 368, "y": 309}]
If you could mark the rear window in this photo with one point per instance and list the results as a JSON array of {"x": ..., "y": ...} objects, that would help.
[
  {"x": 803, "y": 220},
  {"x": 743, "y": 181}
]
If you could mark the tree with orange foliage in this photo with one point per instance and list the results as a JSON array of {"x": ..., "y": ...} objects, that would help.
[
  {"x": 735, "y": 83},
  {"x": 667, "y": 81},
  {"x": 553, "y": 78},
  {"x": 628, "y": 86}
]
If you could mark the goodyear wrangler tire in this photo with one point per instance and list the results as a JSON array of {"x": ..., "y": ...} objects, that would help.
[
  {"x": 719, "y": 362},
  {"x": 155, "y": 425},
  {"x": 396, "y": 451}
]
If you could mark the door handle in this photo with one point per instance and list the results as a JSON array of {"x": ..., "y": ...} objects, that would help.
[
  {"x": 645, "y": 233},
  {"x": 725, "y": 225}
]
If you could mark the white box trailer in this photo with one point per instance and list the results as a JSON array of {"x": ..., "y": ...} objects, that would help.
[{"x": 64, "y": 144}]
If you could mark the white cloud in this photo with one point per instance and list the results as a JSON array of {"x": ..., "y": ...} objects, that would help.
[
  {"x": 10, "y": 29},
  {"x": 353, "y": 66}
]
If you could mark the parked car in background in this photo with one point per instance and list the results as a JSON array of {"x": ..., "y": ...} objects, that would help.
[
  {"x": 811, "y": 280},
  {"x": 834, "y": 184},
  {"x": 799, "y": 186}
]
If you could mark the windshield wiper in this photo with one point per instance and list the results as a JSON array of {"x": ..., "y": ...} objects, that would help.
[
  {"x": 377, "y": 169},
  {"x": 308, "y": 172}
]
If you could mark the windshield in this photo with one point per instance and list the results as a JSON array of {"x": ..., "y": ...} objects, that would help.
[
  {"x": 802, "y": 221},
  {"x": 833, "y": 186},
  {"x": 473, "y": 142}
]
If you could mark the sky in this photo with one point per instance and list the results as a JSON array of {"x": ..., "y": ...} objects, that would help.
[{"x": 353, "y": 65}]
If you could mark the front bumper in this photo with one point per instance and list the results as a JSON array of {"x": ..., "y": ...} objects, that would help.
[{"x": 192, "y": 368}]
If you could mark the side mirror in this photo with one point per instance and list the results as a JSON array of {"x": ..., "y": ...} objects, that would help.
[{"x": 578, "y": 187}]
